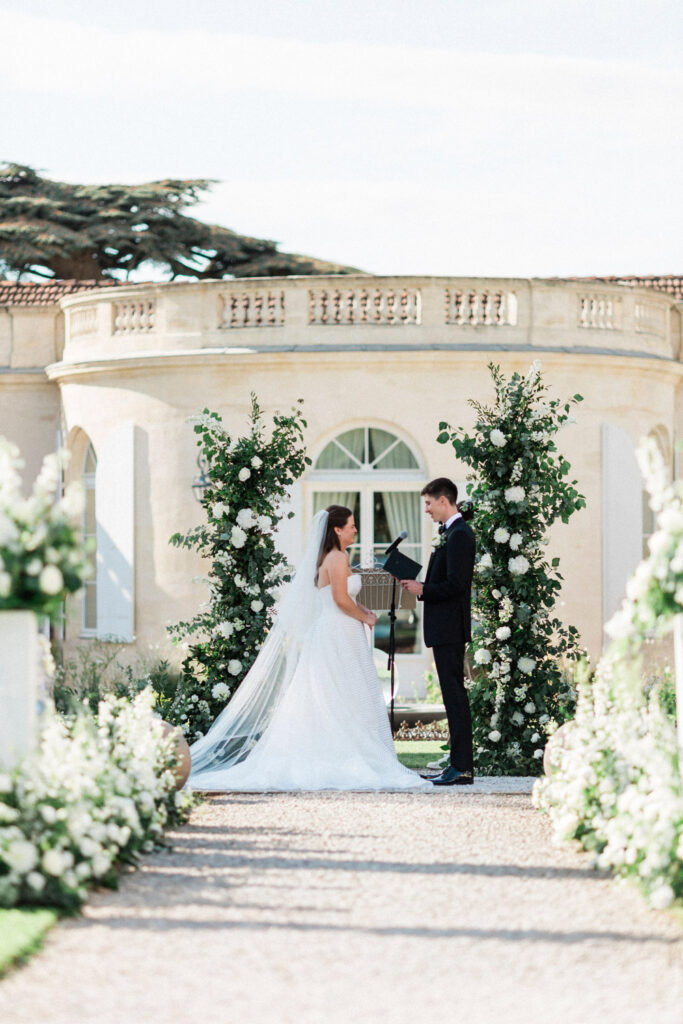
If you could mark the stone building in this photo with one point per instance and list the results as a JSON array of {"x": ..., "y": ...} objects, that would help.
[{"x": 114, "y": 370}]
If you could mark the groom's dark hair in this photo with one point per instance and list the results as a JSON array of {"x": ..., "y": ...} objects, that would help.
[{"x": 442, "y": 487}]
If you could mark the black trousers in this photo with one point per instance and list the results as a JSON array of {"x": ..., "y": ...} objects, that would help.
[{"x": 450, "y": 666}]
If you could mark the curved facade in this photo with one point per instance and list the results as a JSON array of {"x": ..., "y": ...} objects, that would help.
[{"x": 385, "y": 358}]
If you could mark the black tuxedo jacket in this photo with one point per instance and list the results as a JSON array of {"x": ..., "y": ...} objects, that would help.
[{"x": 448, "y": 588}]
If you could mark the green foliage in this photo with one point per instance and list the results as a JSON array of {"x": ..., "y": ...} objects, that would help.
[
  {"x": 519, "y": 487},
  {"x": 248, "y": 479},
  {"x": 55, "y": 229},
  {"x": 22, "y": 933}
]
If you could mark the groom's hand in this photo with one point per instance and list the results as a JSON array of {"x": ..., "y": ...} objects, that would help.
[{"x": 412, "y": 586}]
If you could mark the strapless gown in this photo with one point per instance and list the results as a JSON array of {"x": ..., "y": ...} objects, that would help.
[{"x": 330, "y": 729}]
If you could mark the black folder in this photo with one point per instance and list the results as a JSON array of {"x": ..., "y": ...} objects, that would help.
[{"x": 402, "y": 567}]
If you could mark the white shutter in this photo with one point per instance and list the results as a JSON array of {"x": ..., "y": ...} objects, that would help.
[
  {"x": 115, "y": 507},
  {"x": 622, "y": 516}
]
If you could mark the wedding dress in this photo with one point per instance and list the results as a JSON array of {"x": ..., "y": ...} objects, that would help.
[{"x": 310, "y": 713}]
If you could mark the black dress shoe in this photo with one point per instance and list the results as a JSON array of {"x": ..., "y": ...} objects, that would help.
[{"x": 454, "y": 777}]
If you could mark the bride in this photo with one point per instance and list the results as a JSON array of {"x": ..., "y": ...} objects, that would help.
[{"x": 309, "y": 714}]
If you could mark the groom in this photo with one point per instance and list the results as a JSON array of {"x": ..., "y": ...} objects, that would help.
[{"x": 447, "y": 620}]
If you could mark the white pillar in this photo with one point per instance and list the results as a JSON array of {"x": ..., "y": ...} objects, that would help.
[{"x": 18, "y": 685}]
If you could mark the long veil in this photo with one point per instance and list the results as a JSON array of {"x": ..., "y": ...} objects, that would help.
[{"x": 246, "y": 716}]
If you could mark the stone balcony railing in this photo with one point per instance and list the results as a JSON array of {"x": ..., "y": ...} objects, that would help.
[{"x": 362, "y": 312}]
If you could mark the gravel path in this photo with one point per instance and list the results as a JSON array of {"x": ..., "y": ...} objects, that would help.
[{"x": 359, "y": 909}]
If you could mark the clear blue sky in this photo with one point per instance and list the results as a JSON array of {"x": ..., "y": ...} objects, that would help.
[{"x": 461, "y": 137}]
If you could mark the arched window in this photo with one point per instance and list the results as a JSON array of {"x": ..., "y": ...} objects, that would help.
[
  {"x": 89, "y": 525},
  {"x": 377, "y": 475}
]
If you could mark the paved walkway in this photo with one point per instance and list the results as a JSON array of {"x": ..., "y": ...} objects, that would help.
[{"x": 359, "y": 909}]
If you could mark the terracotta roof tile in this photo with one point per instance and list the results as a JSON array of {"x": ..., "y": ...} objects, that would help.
[
  {"x": 670, "y": 283},
  {"x": 44, "y": 293}
]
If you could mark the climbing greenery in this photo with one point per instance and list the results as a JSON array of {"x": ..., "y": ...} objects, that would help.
[
  {"x": 247, "y": 479},
  {"x": 519, "y": 487}
]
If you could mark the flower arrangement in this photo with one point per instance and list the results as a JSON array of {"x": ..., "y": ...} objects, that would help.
[
  {"x": 42, "y": 557},
  {"x": 249, "y": 476},
  {"x": 615, "y": 783},
  {"x": 99, "y": 790},
  {"x": 518, "y": 487}
]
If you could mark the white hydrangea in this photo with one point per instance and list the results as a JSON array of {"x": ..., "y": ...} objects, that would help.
[
  {"x": 244, "y": 474},
  {"x": 518, "y": 565},
  {"x": 515, "y": 494},
  {"x": 51, "y": 580},
  {"x": 256, "y": 606},
  {"x": 482, "y": 656},
  {"x": 538, "y": 752},
  {"x": 503, "y": 633},
  {"x": 662, "y": 896},
  {"x": 221, "y": 691},
  {"x": 526, "y": 665},
  {"x": 485, "y": 562},
  {"x": 497, "y": 438},
  {"x": 530, "y": 708},
  {"x": 518, "y": 717},
  {"x": 234, "y": 667},
  {"x": 494, "y": 736},
  {"x": 516, "y": 541},
  {"x": 535, "y": 738},
  {"x": 238, "y": 537},
  {"x": 501, "y": 536}
]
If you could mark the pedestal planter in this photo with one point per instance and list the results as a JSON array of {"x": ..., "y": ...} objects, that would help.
[{"x": 18, "y": 685}]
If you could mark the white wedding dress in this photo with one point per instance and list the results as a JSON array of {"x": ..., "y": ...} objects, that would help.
[{"x": 325, "y": 728}]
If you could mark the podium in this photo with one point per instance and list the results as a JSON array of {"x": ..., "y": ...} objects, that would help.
[{"x": 378, "y": 593}]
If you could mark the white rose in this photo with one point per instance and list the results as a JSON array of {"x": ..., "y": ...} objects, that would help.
[
  {"x": 501, "y": 536},
  {"x": 256, "y": 462},
  {"x": 244, "y": 474},
  {"x": 238, "y": 537},
  {"x": 503, "y": 633},
  {"x": 21, "y": 856},
  {"x": 51, "y": 580},
  {"x": 538, "y": 752},
  {"x": 517, "y": 717},
  {"x": 221, "y": 691},
  {"x": 526, "y": 665},
  {"x": 482, "y": 656},
  {"x": 496, "y": 594},
  {"x": 494, "y": 736},
  {"x": 497, "y": 438},
  {"x": 224, "y": 629},
  {"x": 530, "y": 707},
  {"x": 256, "y": 606},
  {"x": 535, "y": 738},
  {"x": 265, "y": 522},
  {"x": 515, "y": 494},
  {"x": 518, "y": 566},
  {"x": 5, "y": 584},
  {"x": 485, "y": 562},
  {"x": 516, "y": 541},
  {"x": 220, "y": 510},
  {"x": 234, "y": 667}
]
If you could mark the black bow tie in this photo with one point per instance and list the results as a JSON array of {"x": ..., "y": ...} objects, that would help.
[{"x": 442, "y": 528}]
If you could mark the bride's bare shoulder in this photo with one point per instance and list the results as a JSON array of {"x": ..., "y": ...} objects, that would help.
[{"x": 334, "y": 561}]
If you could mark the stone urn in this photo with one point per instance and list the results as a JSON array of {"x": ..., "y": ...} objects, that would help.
[
  {"x": 183, "y": 762},
  {"x": 19, "y": 657},
  {"x": 551, "y": 754}
]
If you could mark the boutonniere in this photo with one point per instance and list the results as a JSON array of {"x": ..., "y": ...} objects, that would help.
[{"x": 438, "y": 541}]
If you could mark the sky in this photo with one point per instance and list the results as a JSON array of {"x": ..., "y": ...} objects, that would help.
[{"x": 446, "y": 137}]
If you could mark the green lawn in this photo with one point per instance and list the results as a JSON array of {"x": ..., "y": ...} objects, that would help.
[
  {"x": 416, "y": 753},
  {"x": 21, "y": 934}
]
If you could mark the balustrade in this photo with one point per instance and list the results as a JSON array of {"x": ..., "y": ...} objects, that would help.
[
  {"x": 383, "y": 306},
  {"x": 480, "y": 308},
  {"x": 600, "y": 312},
  {"x": 83, "y": 320},
  {"x": 651, "y": 319},
  {"x": 251, "y": 309},
  {"x": 134, "y": 317}
]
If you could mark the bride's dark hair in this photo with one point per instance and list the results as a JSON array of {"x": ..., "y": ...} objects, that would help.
[{"x": 337, "y": 516}]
